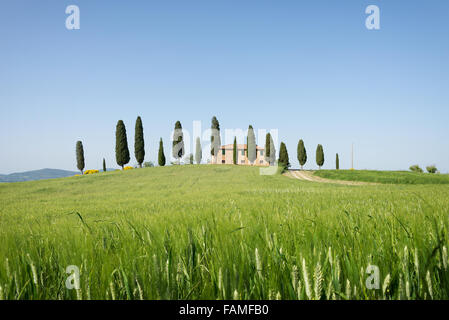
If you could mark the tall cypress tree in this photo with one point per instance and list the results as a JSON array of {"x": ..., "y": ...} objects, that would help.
[
  {"x": 121, "y": 144},
  {"x": 215, "y": 139},
  {"x": 319, "y": 156},
  {"x": 234, "y": 151},
  {"x": 104, "y": 165},
  {"x": 139, "y": 143},
  {"x": 161, "y": 155},
  {"x": 178, "y": 142},
  {"x": 283, "y": 156},
  {"x": 270, "y": 151},
  {"x": 302, "y": 153},
  {"x": 198, "y": 151},
  {"x": 251, "y": 145},
  {"x": 80, "y": 156},
  {"x": 337, "y": 162}
]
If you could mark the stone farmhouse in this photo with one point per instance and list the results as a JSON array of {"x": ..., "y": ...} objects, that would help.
[{"x": 225, "y": 155}]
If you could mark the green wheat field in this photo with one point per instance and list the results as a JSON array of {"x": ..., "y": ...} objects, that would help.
[{"x": 222, "y": 232}]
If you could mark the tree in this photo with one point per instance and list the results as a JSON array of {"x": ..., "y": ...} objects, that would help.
[
  {"x": 80, "y": 156},
  {"x": 104, "y": 165},
  {"x": 431, "y": 169},
  {"x": 302, "y": 153},
  {"x": 215, "y": 140},
  {"x": 270, "y": 151},
  {"x": 198, "y": 151},
  {"x": 161, "y": 155},
  {"x": 121, "y": 145},
  {"x": 251, "y": 145},
  {"x": 283, "y": 156},
  {"x": 178, "y": 142},
  {"x": 234, "y": 151},
  {"x": 319, "y": 156},
  {"x": 148, "y": 164},
  {"x": 416, "y": 168},
  {"x": 337, "y": 162},
  {"x": 139, "y": 143},
  {"x": 191, "y": 158}
]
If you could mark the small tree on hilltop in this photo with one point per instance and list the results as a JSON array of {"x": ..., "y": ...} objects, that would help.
[
  {"x": 319, "y": 156},
  {"x": 178, "y": 142},
  {"x": 198, "y": 151},
  {"x": 283, "y": 157},
  {"x": 191, "y": 158},
  {"x": 121, "y": 145},
  {"x": 80, "y": 156},
  {"x": 139, "y": 143},
  {"x": 161, "y": 155},
  {"x": 104, "y": 165},
  {"x": 337, "y": 162},
  {"x": 431, "y": 169},
  {"x": 215, "y": 139},
  {"x": 416, "y": 168},
  {"x": 251, "y": 145},
  {"x": 302, "y": 153},
  {"x": 234, "y": 151}
]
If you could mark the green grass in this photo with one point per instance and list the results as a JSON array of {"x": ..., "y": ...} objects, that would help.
[
  {"x": 221, "y": 232},
  {"x": 388, "y": 177}
]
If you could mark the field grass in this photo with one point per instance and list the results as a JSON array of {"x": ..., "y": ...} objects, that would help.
[
  {"x": 387, "y": 177},
  {"x": 221, "y": 232}
]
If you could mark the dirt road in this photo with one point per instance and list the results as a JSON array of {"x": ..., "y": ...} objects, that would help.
[{"x": 309, "y": 176}]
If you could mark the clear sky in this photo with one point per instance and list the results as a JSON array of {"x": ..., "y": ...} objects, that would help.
[{"x": 310, "y": 69}]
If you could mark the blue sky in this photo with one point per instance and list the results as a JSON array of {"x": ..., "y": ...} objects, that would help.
[{"x": 309, "y": 69}]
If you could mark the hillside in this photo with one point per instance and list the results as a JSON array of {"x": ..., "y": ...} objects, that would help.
[
  {"x": 218, "y": 232},
  {"x": 386, "y": 177},
  {"x": 36, "y": 175}
]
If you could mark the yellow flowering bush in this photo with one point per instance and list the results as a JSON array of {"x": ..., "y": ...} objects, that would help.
[
  {"x": 128, "y": 168},
  {"x": 90, "y": 171}
]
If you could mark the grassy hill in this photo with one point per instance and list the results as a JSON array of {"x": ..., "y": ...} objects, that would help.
[
  {"x": 36, "y": 175},
  {"x": 220, "y": 232},
  {"x": 387, "y": 177}
]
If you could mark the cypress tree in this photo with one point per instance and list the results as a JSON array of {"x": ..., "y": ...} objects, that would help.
[
  {"x": 139, "y": 143},
  {"x": 251, "y": 145},
  {"x": 270, "y": 151},
  {"x": 198, "y": 151},
  {"x": 234, "y": 151},
  {"x": 283, "y": 156},
  {"x": 104, "y": 165},
  {"x": 215, "y": 140},
  {"x": 302, "y": 153},
  {"x": 319, "y": 156},
  {"x": 191, "y": 158},
  {"x": 121, "y": 144},
  {"x": 161, "y": 155},
  {"x": 178, "y": 142},
  {"x": 80, "y": 156},
  {"x": 337, "y": 162}
]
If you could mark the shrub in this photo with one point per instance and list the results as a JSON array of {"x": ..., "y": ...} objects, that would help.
[
  {"x": 91, "y": 171},
  {"x": 128, "y": 168},
  {"x": 415, "y": 168},
  {"x": 431, "y": 169},
  {"x": 148, "y": 164}
]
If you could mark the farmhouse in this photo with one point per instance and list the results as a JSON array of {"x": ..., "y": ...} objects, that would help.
[{"x": 225, "y": 155}]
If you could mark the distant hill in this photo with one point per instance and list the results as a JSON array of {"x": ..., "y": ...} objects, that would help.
[{"x": 36, "y": 175}]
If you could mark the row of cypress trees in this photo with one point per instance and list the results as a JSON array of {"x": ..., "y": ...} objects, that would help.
[
  {"x": 123, "y": 157},
  {"x": 319, "y": 157},
  {"x": 121, "y": 147}
]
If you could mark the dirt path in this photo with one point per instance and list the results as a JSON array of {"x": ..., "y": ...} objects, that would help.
[{"x": 309, "y": 176}]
